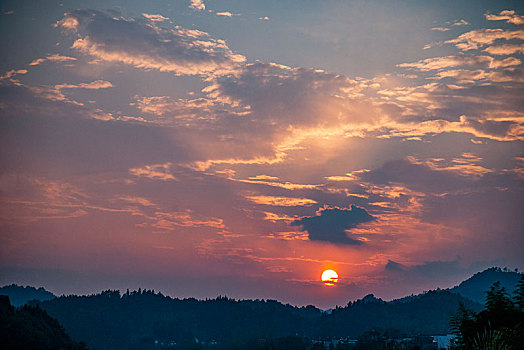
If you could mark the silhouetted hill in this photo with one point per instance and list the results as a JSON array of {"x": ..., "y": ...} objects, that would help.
[
  {"x": 135, "y": 320},
  {"x": 475, "y": 287},
  {"x": 425, "y": 314},
  {"x": 148, "y": 320},
  {"x": 31, "y": 328},
  {"x": 19, "y": 295}
]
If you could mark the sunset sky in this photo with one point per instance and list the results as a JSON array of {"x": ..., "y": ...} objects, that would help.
[{"x": 240, "y": 148}]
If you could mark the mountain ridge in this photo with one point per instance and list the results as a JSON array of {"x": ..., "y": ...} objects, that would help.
[{"x": 112, "y": 320}]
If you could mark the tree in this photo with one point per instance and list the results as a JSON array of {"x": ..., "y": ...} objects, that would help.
[
  {"x": 499, "y": 326},
  {"x": 519, "y": 294}
]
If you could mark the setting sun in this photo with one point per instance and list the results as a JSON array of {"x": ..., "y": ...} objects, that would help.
[{"x": 329, "y": 277}]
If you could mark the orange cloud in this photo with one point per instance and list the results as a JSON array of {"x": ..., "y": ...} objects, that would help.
[
  {"x": 155, "y": 18},
  {"x": 505, "y": 49},
  {"x": 436, "y": 63},
  {"x": 52, "y": 58},
  {"x": 507, "y": 15},
  {"x": 476, "y": 39},
  {"x": 154, "y": 172},
  {"x": 281, "y": 201},
  {"x": 197, "y": 5}
]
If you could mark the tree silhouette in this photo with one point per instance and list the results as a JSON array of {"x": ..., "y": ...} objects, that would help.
[{"x": 499, "y": 326}]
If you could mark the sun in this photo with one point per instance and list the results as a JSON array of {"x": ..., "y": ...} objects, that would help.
[{"x": 329, "y": 277}]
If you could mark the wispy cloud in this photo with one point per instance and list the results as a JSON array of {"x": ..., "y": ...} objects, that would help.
[
  {"x": 462, "y": 60},
  {"x": 225, "y": 14},
  {"x": 52, "y": 58},
  {"x": 479, "y": 38},
  {"x": 155, "y": 172},
  {"x": 155, "y": 18},
  {"x": 281, "y": 201}
]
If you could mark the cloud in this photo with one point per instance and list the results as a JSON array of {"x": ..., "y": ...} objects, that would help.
[
  {"x": 427, "y": 270},
  {"x": 52, "y": 58},
  {"x": 436, "y": 63},
  {"x": 76, "y": 137},
  {"x": 415, "y": 175},
  {"x": 507, "y": 15},
  {"x": 265, "y": 18},
  {"x": 330, "y": 225},
  {"x": 187, "y": 111},
  {"x": 154, "y": 172},
  {"x": 394, "y": 266},
  {"x": 143, "y": 44},
  {"x": 440, "y": 29},
  {"x": 94, "y": 85},
  {"x": 155, "y": 18},
  {"x": 197, "y": 5},
  {"x": 12, "y": 73},
  {"x": 461, "y": 22},
  {"x": 170, "y": 220},
  {"x": 476, "y": 39},
  {"x": 465, "y": 76},
  {"x": 281, "y": 201},
  {"x": 506, "y": 49},
  {"x": 224, "y": 14}
]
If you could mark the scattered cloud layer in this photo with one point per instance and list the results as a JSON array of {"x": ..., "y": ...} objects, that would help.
[
  {"x": 507, "y": 15},
  {"x": 160, "y": 137},
  {"x": 146, "y": 45}
]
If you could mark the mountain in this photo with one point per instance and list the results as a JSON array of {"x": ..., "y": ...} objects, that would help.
[
  {"x": 19, "y": 295},
  {"x": 475, "y": 287},
  {"x": 31, "y": 328}
]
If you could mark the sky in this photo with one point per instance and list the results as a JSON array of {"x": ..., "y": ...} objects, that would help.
[{"x": 240, "y": 148}]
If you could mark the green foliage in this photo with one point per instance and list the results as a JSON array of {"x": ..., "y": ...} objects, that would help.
[
  {"x": 499, "y": 326},
  {"x": 519, "y": 293}
]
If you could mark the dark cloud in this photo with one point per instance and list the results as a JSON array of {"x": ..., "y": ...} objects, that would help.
[
  {"x": 294, "y": 95},
  {"x": 330, "y": 225},
  {"x": 144, "y": 44},
  {"x": 417, "y": 176},
  {"x": 394, "y": 266},
  {"x": 427, "y": 270}
]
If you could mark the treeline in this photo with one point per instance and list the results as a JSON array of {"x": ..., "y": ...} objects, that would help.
[
  {"x": 31, "y": 328},
  {"x": 143, "y": 319},
  {"x": 112, "y": 321},
  {"x": 426, "y": 314}
]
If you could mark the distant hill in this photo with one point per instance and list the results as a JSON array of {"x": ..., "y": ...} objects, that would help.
[
  {"x": 144, "y": 319},
  {"x": 475, "y": 287},
  {"x": 424, "y": 314},
  {"x": 19, "y": 295},
  {"x": 30, "y": 327},
  {"x": 135, "y": 320}
]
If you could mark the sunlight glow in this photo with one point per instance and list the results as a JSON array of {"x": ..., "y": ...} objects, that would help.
[{"x": 329, "y": 277}]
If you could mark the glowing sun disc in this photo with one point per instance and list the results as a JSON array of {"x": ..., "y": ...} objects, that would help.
[{"x": 329, "y": 277}]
